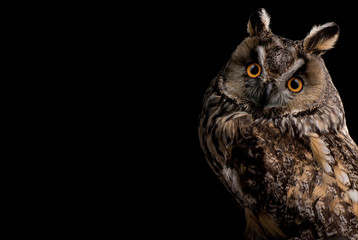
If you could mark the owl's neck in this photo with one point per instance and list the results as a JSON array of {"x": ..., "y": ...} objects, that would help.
[{"x": 325, "y": 119}]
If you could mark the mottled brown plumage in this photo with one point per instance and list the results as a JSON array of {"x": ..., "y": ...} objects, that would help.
[{"x": 283, "y": 150}]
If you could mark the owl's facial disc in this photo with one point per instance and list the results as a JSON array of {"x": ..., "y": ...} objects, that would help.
[
  {"x": 269, "y": 90},
  {"x": 275, "y": 73}
]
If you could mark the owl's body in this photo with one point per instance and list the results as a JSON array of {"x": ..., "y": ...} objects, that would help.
[{"x": 273, "y": 130}]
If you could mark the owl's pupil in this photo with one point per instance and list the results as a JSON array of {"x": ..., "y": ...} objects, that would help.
[
  {"x": 254, "y": 69},
  {"x": 295, "y": 84}
]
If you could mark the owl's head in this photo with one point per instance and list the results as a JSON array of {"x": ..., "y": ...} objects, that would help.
[{"x": 271, "y": 72}]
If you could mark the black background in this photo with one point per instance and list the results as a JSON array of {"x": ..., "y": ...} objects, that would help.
[
  {"x": 135, "y": 163},
  {"x": 178, "y": 49}
]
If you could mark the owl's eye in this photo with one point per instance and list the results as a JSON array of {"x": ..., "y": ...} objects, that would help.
[
  {"x": 295, "y": 84},
  {"x": 253, "y": 70}
]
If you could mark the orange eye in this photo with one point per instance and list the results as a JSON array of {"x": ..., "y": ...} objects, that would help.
[
  {"x": 295, "y": 84},
  {"x": 253, "y": 70}
]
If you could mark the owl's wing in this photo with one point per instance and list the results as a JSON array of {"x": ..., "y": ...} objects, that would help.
[
  {"x": 325, "y": 192},
  {"x": 337, "y": 154}
]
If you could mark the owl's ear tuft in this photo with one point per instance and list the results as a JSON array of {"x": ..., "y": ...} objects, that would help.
[
  {"x": 321, "y": 38},
  {"x": 259, "y": 22}
]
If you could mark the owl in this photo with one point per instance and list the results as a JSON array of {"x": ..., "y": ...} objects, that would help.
[{"x": 273, "y": 130}]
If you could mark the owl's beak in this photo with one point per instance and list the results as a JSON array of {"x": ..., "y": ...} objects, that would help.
[{"x": 266, "y": 95}]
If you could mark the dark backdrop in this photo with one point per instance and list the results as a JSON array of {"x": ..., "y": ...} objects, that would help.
[{"x": 181, "y": 48}]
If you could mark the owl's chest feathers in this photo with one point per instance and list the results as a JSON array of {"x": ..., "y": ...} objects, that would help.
[
  {"x": 250, "y": 153},
  {"x": 264, "y": 159}
]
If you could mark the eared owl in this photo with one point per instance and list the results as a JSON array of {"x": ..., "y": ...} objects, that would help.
[{"x": 273, "y": 130}]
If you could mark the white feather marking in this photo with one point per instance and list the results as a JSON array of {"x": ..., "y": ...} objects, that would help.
[
  {"x": 321, "y": 153},
  {"x": 232, "y": 178},
  {"x": 326, "y": 167},
  {"x": 329, "y": 158},
  {"x": 265, "y": 18},
  {"x": 353, "y": 194},
  {"x": 342, "y": 176},
  {"x": 261, "y": 55}
]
